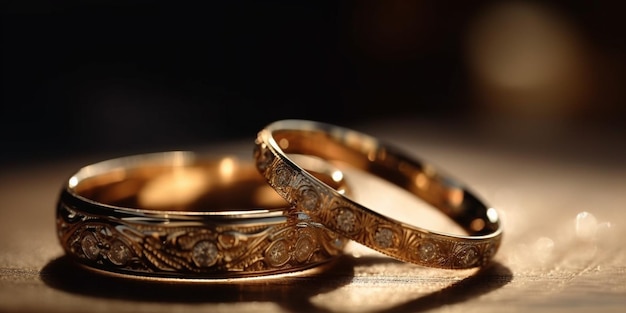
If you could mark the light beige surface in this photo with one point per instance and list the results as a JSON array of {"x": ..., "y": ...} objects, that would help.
[{"x": 562, "y": 200}]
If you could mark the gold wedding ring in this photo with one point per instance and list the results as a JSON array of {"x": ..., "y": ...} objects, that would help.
[
  {"x": 276, "y": 143},
  {"x": 180, "y": 215}
]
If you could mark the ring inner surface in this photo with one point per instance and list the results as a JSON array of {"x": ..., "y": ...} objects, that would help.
[{"x": 228, "y": 185}]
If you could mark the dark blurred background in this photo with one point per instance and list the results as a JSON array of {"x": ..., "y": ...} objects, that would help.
[{"x": 88, "y": 77}]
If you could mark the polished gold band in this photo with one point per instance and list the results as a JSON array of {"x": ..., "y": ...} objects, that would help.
[
  {"x": 184, "y": 216},
  {"x": 278, "y": 140}
]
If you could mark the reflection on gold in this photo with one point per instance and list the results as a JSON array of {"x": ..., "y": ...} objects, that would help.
[
  {"x": 73, "y": 182},
  {"x": 455, "y": 197},
  {"x": 283, "y": 143},
  {"x": 266, "y": 197},
  {"x": 337, "y": 177},
  {"x": 173, "y": 189},
  {"x": 492, "y": 215},
  {"x": 477, "y": 225},
  {"x": 421, "y": 181}
]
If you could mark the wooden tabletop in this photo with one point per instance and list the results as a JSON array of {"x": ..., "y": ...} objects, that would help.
[{"x": 562, "y": 198}]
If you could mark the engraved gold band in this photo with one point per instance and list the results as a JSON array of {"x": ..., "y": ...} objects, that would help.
[
  {"x": 278, "y": 140},
  {"x": 183, "y": 216}
]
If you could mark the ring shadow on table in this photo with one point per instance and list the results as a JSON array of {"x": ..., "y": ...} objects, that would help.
[{"x": 292, "y": 293}]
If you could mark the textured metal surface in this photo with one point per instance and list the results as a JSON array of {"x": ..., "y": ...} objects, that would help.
[{"x": 563, "y": 251}]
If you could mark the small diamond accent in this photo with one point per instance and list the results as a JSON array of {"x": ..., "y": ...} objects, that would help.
[
  {"x": 309, "y": 199},
  {"x": 346, "y": 220},
  {"x": 277, "y": 253},
  {"x": 426, "y": 251},
  {"x": 468, "y": 257},
  {"x": 204, "y": 253},
  {"x": 119, "y": 254},
  {"x": 89, "y": 244},
  {"x": 304, "y": 248},
  {"x": 283, "y": 177},
  {"x": 384, "y": 237}
]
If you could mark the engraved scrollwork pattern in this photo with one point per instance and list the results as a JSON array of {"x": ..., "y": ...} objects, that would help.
[
  {"x": 349, "y": 220},
  {"x": 178, "y": 248}
]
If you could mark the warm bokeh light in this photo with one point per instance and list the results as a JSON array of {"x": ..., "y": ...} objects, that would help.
[
  {"x": 226, "y": 168},
  {"x": 528, "y": 63}
]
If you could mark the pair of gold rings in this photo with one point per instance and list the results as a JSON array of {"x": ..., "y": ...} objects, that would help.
[{"x": 184, "y": 215}]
